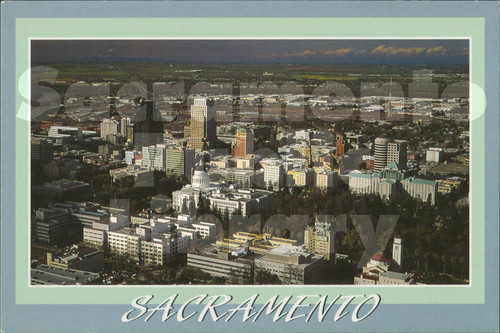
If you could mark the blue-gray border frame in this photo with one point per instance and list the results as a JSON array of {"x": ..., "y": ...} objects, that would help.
[{"x": 106, "y": 318}]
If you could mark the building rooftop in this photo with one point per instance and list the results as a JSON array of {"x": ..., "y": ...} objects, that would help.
[
  {"x": 44, "y": 274},
  {"x": 396, "y": 275},
  {"x": 380, "y": 257}
]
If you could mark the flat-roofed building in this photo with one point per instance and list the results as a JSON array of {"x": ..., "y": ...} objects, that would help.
[
  {"x": 420, "y": 189},
  {"x": 125, "y": 241},
  {"x": 180, "y": 161},
  {"x": 326, "y": 179},
  {"x": 51, "y": 224},
  {"x": 87, "y": 218},
  {"x": 320, "y": 239},
  {"x": 302, "y": 177},
  {"x": 241, "y": 177},
  {"x": 81, "y": 258},
  {"x": 143, "y": 177},
  {"x": 154, "y": 157},
  {"x": 235, "y": 269},
  {"x": 292, "y": 264},
  {"x": 41, "y": 150},
  {"x": 47, "y": 275},
  {"x": 434, "y": 155},
  {"x": 161, "y": 249},
  {"x": 274, "y": 175}
]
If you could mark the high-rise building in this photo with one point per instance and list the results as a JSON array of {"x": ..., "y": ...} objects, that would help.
[
  {"x": 148, "y": 126},
  {"x": 244, "y": 143},
  {"x": 396, "y": 152},
  {"x": 180, "y": 161},
  {"x": 340, "y": 145},
  {"x": 388, "y": 150},
  {"x": 274, "y": 175},
  {"x": 380, "y": 153},
  {"x": 320, "y": 239},
  {"x": 130, "y": 133},
  {"x": 154, "y": 157},
  {"x": 41, "y": 150},
  {"x": 124, "y": 122},
  {"x": 203, "y": 126},
  {"x": 109, "y": 126}
]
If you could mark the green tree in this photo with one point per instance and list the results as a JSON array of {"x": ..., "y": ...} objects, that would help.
[{"x": 265, "y": 277}]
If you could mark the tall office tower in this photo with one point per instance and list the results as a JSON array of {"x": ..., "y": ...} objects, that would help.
[
  {"x": 130, "y": 132},
  {"x": 397, "y": 252},
  {"x": 41, "y": 150},
  {"x": 124, "y": 122},
  {"x": 180, "y": 161},
  {"x": 340, "y": 145},
  {"x": 148, "y": 128},
  {"x": 109, "y": 126},
  {"x": 244, "y": 143},
  {"x": 396, "y": 152},
  {"x": 388, "y": 150},
  {"x": 203, "y": 127},
  {"x": 380, "y": 153},
  {"x": 154, "y": 157}
]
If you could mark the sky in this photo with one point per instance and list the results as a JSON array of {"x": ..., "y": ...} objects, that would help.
[{"x": 383, "y": 52}]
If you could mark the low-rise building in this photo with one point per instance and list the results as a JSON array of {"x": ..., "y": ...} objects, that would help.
[
  {"x": 142, "y": 176},
  {"x": 235, "y": 269},
  {"x": 292, "y": 264},
  {"x": 48, "y": 275},
  {"x": 80, "y": 258}
]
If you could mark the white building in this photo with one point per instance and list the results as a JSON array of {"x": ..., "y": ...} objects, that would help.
[
  {"x": 434, "y": 155},
  {"x": 420, "y": 189},
  {"x": 154, "y": 157},
  {"x": 124, "y": 122},
  {"x": 292, "y": 264},
  {"x": 274, "y": 174},
  {"x": 363, "y": 183},
  {"x": 109, "y": 126},
  {"x": 142, "y": 177}
]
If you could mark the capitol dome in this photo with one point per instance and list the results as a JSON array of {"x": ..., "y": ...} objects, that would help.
[{"x": 200, "y": 177}]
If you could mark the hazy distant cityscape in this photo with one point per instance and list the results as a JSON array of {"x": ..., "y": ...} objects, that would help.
[{"x": 296, "y": 164}]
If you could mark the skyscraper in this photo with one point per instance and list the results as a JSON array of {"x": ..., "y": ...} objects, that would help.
[
  {"x": 388, "y": 150},
  {"x": 380, "y": 153},
  {"x": 396, "y": 152},
  {"x": 340, "y": 145},
  {"x": 180, "y": 161},
  {"x": 244, "y": 143},
  {"x": 154, "y": 157},
  {"x": 124, "y": 122},
  {"x": 109, "y": 126},
  {"x": 203, "y": 127},
  {"x": 41, "y": 150},
  {"x": 148, "y": 127}
]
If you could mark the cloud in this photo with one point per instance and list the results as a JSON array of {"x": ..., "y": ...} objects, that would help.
[
  {"x": 437, "y": 50},
  {"x": 305, "y": 53},
  {"x": 397, "y": 51},
  {"x": 339, "y": 52}
]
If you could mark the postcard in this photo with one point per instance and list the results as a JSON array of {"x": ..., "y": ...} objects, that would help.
[{"x": 230, "y": 166}]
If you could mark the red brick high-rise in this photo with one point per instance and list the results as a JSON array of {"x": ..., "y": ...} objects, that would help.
[{"x": 244, "y": 143}]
